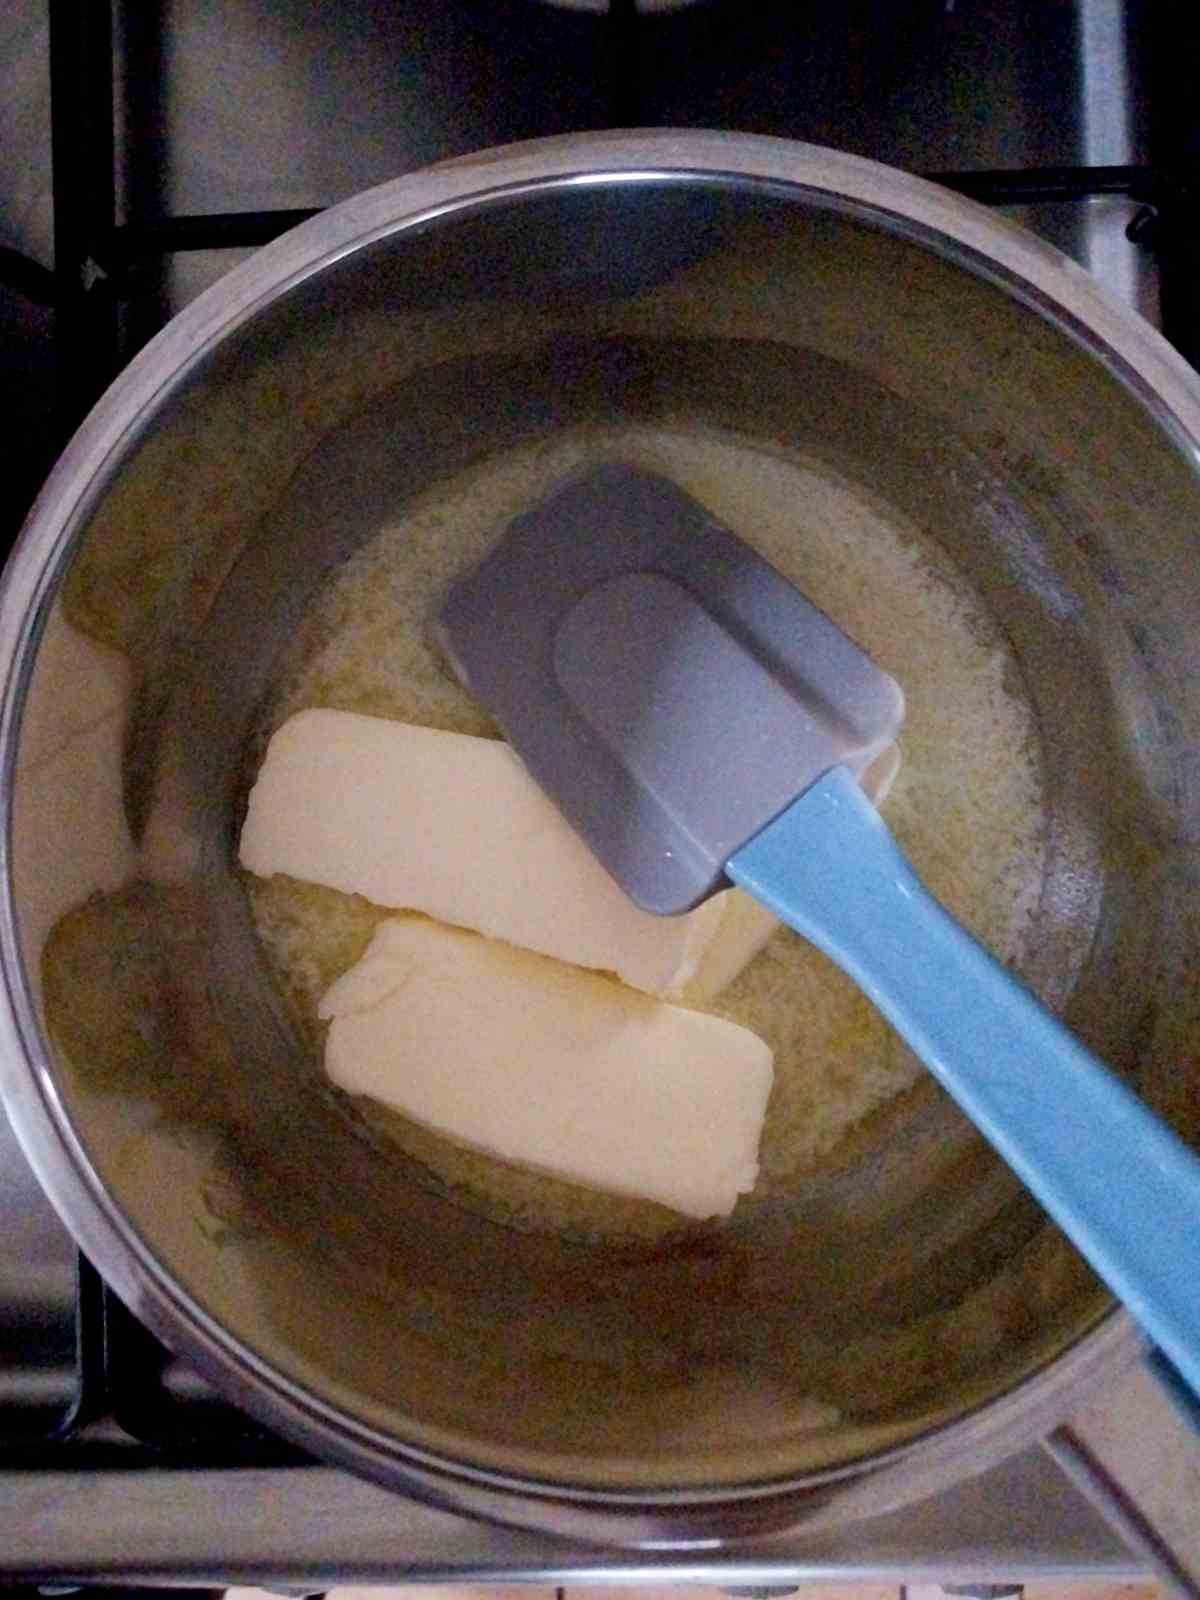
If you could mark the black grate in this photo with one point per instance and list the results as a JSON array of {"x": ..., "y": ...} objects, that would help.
[{"x": 129, "y": 1402}]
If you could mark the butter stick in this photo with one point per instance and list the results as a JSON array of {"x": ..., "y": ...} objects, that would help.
[
  {"x": 553, "y": 1068},
  {"x": 417, "y": 819}
]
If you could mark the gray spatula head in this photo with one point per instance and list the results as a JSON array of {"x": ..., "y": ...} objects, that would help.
[{"x": 666, "y": 687}]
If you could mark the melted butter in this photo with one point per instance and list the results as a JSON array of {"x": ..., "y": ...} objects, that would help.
[{"x": 967, "y": 805}]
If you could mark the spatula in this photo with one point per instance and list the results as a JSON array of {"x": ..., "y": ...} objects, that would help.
[{"x": 699, "y": 722}]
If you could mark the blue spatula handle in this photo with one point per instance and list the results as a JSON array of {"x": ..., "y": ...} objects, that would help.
[{"x": 1113, "y": 1176}]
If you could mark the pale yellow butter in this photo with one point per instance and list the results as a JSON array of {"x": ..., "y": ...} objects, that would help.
[
  {"x": 557, "y": 1069},
  {"x": 418, "y": 819}
]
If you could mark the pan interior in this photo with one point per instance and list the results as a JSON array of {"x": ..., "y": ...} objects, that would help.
[{"x": 979, "y": 501}]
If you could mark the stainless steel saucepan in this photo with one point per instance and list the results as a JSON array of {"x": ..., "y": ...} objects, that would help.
[{"x": 967, "y": 385}]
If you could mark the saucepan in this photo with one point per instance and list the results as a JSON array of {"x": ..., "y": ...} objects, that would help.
[{"x": 986, "y": 470}]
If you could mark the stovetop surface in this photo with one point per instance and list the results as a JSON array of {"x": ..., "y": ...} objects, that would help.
[{"x": 230, "y": 105}]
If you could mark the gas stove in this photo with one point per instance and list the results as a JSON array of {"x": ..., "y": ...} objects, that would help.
[{"x": 146, "y": 149}]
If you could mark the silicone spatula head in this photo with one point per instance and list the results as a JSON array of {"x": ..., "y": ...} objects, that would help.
[{"x": 664, "y": 684}]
